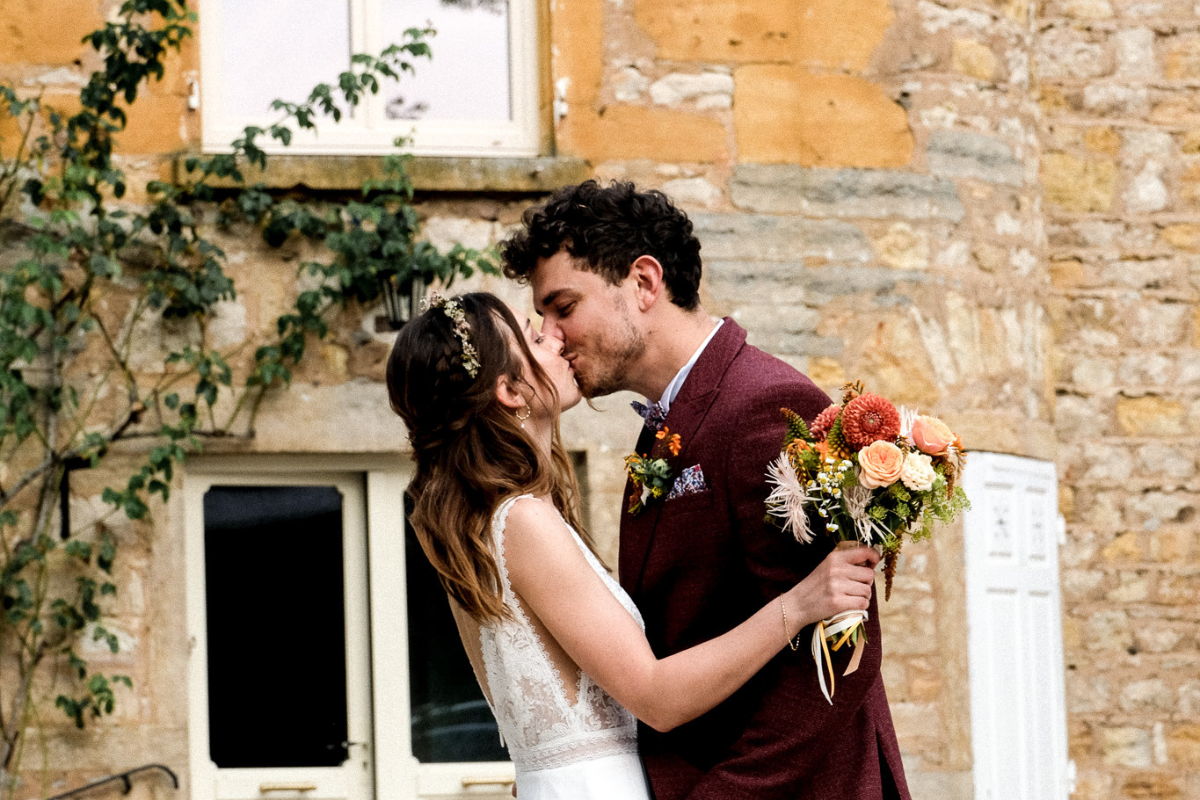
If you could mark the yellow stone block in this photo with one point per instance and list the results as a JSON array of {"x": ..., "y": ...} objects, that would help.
[
  {"x": 1102, "y": 139},
  {"x": 1124, "y": 548},
  {"x": 1151, "y": 785},
  {"x": 335, "y": 359},
  {"x": 46, "y": 32},
  {"x": 1150, "y": 416},
  {"x": 1191, "y": 142},
  {"x": 626, "y": 132},
  {"x": 1067, "y": 273},
  {"x": 784, "y": 115},
  {"x": 1189, "y": 185},
  {"x": 1185, "y": 236},
  {"x": 1016, "y": 10},
  {"x": 157, "y": 123},
  {"x": 1066, "y": 502},
  {"x": 577, "y": 33},
  {"x": 827, "y": 373},
  {"x": 975, "y": 59},
  {"x": 841, "y": 34},
  {"x": 1052, "y": 99},
  {"x": 721, "y": 30},
  {"x": 1196, "y": 328},
  {"x": 1183, "y": 746},
  {"x": 1076, "y": 184},
  {"x": 1180, "y": 111},
  {"x": 1183, "y": 61}
]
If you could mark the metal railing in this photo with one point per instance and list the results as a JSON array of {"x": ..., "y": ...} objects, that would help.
[{"x": 123, "y": 777}]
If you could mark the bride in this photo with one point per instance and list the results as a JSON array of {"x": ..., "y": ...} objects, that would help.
[{"x": 556, "y": 644}]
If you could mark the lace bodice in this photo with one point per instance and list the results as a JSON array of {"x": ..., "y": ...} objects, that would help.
[{"x": 542, "y": 728}]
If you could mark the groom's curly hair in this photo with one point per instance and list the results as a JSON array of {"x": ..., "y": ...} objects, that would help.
[{"x": 606, "y": 228}]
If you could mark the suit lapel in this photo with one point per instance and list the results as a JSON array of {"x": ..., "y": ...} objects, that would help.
[{"x": 687, "y": 412}]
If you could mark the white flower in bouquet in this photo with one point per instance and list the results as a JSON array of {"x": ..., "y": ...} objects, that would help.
[{"x": 918, "y": 473}]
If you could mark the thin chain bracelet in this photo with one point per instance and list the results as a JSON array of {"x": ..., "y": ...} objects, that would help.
[{"x": 790, "y": 640}]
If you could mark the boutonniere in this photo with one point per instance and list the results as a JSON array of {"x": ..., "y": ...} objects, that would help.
[{"x": 652, "y": 474}]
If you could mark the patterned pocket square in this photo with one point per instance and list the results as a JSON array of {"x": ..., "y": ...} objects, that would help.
[{"x": 690, "y": 481}]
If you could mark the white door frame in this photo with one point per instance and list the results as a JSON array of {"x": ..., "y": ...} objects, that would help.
[
  {"x": 352, "y": 780},
  {"x": 397, "y": 774}
]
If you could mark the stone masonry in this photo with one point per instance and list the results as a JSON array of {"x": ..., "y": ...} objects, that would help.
[
  {"x": 989, "y": 209},
  {"x": 1120, "y": 132}
]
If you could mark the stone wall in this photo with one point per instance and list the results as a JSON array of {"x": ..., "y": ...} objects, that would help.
[
  {"x": 1121, "y": 133},
  {"x": 867, "y": 179}
]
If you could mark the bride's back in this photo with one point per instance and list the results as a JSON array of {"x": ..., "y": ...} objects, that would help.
[{"x": 550, "y": 713}]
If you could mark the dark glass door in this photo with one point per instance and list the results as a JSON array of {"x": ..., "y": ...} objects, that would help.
[{"x": 275, "y": 608}]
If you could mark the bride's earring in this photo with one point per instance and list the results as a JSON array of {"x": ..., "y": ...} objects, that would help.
[{"x": 528, "y": 411}]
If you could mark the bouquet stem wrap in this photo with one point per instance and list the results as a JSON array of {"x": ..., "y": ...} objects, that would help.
[{"x": 838, "y": 629}]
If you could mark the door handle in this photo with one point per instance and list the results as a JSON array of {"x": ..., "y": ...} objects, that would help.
[
  {"x": 264, "y": 788},
  {"x": 469, "y": 782}
]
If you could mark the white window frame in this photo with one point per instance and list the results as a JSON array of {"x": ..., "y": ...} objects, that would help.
[
  {"x": 397, "y": 774},
  {"x": 368, "y": 131}
]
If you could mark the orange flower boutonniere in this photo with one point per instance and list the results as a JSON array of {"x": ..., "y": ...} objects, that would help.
[{"x": 652, "y": 474}]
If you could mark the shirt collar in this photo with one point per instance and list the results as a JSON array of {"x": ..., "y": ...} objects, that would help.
[{"x": 676, "y": 383}]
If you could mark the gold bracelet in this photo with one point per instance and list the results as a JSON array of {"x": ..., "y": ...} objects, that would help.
[{"x": 787, "y": 636}]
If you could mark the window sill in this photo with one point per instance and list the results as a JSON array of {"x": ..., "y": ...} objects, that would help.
[{"x": 428, "y": 174}]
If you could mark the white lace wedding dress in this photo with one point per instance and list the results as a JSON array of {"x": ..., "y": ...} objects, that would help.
[{"x": 562, "y": 750}]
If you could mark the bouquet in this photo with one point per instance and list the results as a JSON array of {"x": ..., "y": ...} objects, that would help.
[{"x": 863, "y": 473}]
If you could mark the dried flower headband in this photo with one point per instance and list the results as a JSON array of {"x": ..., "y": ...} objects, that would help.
[{"x": 462, "y": 328}]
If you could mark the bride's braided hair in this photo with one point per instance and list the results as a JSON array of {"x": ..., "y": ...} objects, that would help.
[{"x": 471, "y": 453}]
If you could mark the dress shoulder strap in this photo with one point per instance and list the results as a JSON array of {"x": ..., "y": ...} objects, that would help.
[{"x": 499, "y": 523}]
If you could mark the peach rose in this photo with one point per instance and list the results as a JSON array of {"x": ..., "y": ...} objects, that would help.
[
  {"x": 879, "y": 464},
  {"x": 931, "y": 435}
]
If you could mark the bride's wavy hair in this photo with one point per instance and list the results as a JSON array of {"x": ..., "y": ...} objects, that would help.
[{"x": 471, "y": 451}]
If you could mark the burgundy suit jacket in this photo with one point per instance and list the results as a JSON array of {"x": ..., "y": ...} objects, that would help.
[{"x": 700, "y": 564}]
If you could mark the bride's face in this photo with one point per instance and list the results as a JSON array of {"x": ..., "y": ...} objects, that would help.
[{"x": 547, "y": 350}]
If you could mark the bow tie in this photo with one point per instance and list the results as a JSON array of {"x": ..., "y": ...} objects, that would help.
[{"x": 654, "y": 414}]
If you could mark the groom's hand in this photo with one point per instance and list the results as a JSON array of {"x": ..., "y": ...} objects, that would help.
[{"x": 842, "y": 582}]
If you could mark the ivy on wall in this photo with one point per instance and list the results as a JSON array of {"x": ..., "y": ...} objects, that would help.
[{"x": 70, "y": 391}]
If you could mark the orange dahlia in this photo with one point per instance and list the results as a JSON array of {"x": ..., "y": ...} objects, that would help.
[
  {"x": 824, "y": 421},
  {"x": 869, "y": 418}
]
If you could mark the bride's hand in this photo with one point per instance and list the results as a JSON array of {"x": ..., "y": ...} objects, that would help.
[{"x": 842, "y": 582}]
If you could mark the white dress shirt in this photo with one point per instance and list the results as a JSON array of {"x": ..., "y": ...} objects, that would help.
[{"x": 677, "y": 382}]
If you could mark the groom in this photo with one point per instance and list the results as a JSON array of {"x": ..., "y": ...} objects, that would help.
[{"x": 615, "y": 274}]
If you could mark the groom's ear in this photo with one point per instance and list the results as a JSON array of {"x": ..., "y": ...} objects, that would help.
[{"x": 647, "y": 274}]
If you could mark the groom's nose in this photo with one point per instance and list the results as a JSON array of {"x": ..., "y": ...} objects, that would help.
[{"x": 550, "y": 329}]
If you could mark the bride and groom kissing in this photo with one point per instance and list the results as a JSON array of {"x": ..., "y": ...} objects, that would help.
[{"x": 698, "y": 639}]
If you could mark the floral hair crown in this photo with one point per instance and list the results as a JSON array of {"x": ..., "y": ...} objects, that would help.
[{"x": 462, "y": 329}]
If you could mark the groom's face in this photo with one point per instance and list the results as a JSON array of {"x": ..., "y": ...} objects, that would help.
[{"x": 595, "y": 320}]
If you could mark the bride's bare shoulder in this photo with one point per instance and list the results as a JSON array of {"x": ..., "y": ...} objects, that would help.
[{"x": 535, "y": 531}]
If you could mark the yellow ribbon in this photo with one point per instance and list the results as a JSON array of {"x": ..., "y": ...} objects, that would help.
[{"x": 840, "y": 627}]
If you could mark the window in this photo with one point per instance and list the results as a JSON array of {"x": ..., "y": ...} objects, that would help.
[
  {"x": 325, "y": 660},
  {"x": 477, "y": 95},
  {"x": 1014, "y": 620}
]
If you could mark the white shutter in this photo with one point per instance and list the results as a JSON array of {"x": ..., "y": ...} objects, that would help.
[{"x": 1014, "y": 616}]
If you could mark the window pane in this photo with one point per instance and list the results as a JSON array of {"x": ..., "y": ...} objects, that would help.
[
  {"x": 276, "y": 626},
  {"x": 451, "y": 720},
  {"x": 468, "y": 76},
  {"x": 280, "y": 49}
]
